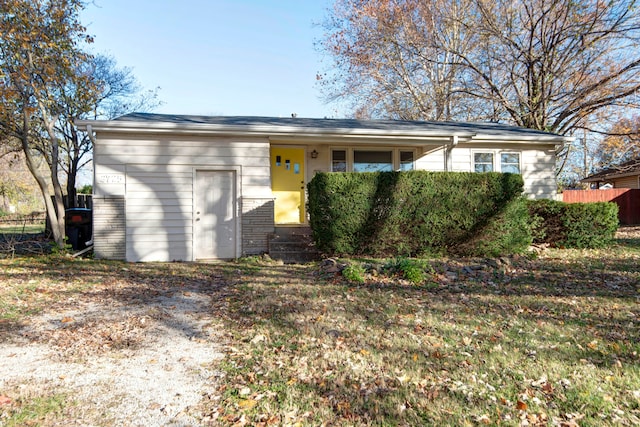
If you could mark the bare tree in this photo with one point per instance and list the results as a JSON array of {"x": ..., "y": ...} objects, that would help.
[
  {"x": 395, "y": 58},
  {"x": 550, "y": 65},
  {"x": 542, "y": 64},
  {"x": 109, "y": 92}
]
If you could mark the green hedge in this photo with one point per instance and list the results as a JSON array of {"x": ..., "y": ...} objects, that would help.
[
  {"x": 509, "y": 232},
  {"x": 417, "y": 213},
  {"x": 574, "y": 225}
]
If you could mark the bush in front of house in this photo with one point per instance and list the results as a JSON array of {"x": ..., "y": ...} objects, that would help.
[
  {"x": 508, "y": 232},
  {"x": 417, "y": 213},
  {"x": 573, "y": 225}
]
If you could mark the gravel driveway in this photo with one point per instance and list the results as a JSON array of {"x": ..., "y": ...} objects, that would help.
[{"x": 134, "y": 360}]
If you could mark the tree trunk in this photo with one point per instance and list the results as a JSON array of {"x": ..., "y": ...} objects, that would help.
[
  {"x": 71, "y": 188},
  {"x": 55, "y": 181},
  {"x": 54, "y": 217},
  {"x": 55, "y": 208}
]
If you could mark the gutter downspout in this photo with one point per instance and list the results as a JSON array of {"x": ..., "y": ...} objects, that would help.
[
  {"x": 448, "y": 164},
  {"x": 93, "y": 187},
  {"x": 93, "y": 140},
  {"x": 90, "y": 133}
]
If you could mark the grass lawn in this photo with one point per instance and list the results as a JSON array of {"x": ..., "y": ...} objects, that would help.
[
  {"x": 549, "y": 341},
  {"x": 17, "y": 228}
]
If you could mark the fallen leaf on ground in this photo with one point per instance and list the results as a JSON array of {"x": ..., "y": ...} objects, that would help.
[{"x": 247, "y": 404}]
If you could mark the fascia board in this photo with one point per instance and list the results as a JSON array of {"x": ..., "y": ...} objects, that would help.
[
  {"x": 298, "y": 133},
  {"x": 549, "y": 139},
  {"x": 268, "y": 131},
  {"x": 611, "y": 176}
]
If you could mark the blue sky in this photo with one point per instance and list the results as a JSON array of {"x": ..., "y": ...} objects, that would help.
[{"x": 218, "y": 57}]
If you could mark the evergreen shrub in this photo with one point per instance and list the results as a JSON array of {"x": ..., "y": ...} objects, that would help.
[
  {"x": 573, "y": 225},
  {"x": 414, "y": 213}
]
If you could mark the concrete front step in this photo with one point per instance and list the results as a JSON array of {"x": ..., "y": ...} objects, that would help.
[
  {"x": 295, "y": 257},
  {"x": 293, "y": 245}
]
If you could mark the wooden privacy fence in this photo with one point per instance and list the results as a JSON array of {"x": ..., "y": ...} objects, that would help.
[
  {"x": 82, "y": 201},
  {"x": 627, "y": 199}
]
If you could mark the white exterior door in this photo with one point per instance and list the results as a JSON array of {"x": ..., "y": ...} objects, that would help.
[{"x": 214, "y": 215}]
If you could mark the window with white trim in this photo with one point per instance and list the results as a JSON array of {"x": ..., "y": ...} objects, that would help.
[
  {"x": 483, "y": 162},
  {"x": 338, "y": 160},
  {"x": 406, "y": 160},
  {"x": 509, "y": 162},
  {"x": 372, "y": 160}
]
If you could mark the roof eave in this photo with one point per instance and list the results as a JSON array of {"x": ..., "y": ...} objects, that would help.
[
  {"x": 310, "y": 133},
  {"x": 608, "y": 177},
  {"x": 261, "y": 131},
  {"x": 551, "y": 139}
]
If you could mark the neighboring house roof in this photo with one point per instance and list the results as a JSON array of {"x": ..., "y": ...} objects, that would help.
[
  {"x": 310, "y": 128},
  {"x": 630, "y": 168}
]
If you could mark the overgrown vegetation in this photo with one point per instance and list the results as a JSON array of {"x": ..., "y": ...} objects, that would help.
[
  {"x": 548, "y": 341},
  {"x": 416, "y": 213}
]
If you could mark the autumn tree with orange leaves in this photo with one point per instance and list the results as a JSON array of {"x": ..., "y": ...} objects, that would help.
[
  {"x": 541, "y": 64},
  {"x": 39, "y": 49},
  {"x": 622, "y": 142}
]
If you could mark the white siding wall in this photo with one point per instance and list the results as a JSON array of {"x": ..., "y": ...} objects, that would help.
[
  {"x": 538, "y": 172},
  {"x": 431, "y": 159},
  {"x": 537, "y": 165},
  {"x": 156, "y": 176}
]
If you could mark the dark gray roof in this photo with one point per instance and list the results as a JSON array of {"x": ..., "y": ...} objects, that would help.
[
  {"x": 445, "y": 128},
  {"x": 632, "y": 167}
]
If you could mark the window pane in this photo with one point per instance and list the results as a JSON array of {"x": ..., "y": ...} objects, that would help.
[
  {"x": 372, "y": 161},
  {"x": 406, "y": 160},
  {"x": 483, "y": 162},
  {"x": 510, "y": 157},
  {"x": 483, "y": 157},
  {"x": 510, "y": 162},
  {"x": 338, "y": 161}
]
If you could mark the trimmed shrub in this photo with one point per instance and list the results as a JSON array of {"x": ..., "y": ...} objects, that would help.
[
  {"x": 574, "y": 225},
  {"x": 409, "y": 213},
  {"x": 509, "y": 232}
]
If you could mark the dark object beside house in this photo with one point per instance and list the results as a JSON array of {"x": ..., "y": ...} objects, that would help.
[{"x": 78, "y": 223}]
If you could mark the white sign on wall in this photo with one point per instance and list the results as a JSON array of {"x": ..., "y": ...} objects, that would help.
[{"x": 110, "y": 178}]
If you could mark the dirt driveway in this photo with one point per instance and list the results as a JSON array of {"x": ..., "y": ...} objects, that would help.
[{"x": 135, "y": 350}]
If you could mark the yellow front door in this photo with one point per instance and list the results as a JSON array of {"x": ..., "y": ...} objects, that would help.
[{"x": 287, "y": 184}]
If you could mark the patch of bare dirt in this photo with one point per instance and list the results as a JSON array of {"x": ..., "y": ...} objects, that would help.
[{"x": 136, "y": 361}]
